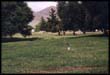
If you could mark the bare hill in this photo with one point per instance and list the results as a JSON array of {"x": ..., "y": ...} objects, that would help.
[{"x": 38, "y": 15}]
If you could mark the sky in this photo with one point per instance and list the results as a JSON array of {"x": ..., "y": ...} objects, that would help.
[{"x": 39, "y": 5}]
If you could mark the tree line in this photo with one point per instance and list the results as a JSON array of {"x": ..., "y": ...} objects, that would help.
[
  {"x": 71, "y": 15},
  {"x": 74, "y": 15}
]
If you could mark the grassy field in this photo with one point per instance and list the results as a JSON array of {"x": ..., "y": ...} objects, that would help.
[{"x": 47, "y": 53}]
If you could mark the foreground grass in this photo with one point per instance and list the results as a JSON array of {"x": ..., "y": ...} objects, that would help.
[{"x": 89, "y": 54}]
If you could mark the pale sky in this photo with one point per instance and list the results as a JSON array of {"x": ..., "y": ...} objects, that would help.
[{"x": 39, "y": 5}]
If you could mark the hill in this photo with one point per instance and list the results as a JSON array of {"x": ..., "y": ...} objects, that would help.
[{"x": 38, "y": 15}]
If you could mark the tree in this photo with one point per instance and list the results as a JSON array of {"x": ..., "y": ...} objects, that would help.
[
  {"x": 61, "y": 13},
  {"x": 15, "y": 17},
  {"x": 26, "y": 31},
  {"x": 86, "y": 16},
  {"x": 43, "y": 24},
  {"x": 99, "y": 14},
  {"x": 69, "y": 13},
  {"x": 53, "y": 25},
  {"x": 37, "y": 28}
]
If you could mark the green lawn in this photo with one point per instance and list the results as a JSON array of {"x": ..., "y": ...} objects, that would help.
[{"x": 47, "y": 53}]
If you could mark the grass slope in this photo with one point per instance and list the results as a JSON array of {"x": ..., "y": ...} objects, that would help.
[{"x": 89, "y": 54}]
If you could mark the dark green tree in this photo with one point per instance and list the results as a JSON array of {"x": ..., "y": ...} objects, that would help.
[
  {"x": 61, "y": 12},
  {"x": 53, "y": 22},
  {"x": 26, "y": 31},
  {"x": 37, "y": 28},
  {"x": 15, "y": 17},
  {"x": 70, "y": 15},
  {"x": 49, "y": 26},
  {"x": 43, "y": 24},
  {"x": 98, "y": 14},
  {"x": 85, "y": 16}
]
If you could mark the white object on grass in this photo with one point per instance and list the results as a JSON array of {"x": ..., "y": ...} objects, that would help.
[
  {"x": 32, "y": 30},
  {"x": 79, "y": 2},
  {"x": 68, "y": 48}
]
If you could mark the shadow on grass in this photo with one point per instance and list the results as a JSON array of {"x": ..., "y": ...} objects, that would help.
[
  {"x": 94, "y": 35},
  {"x": 5, "y": 40}
]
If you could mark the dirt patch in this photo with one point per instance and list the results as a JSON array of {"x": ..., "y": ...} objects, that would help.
[{"x": 63, "y": 69}]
